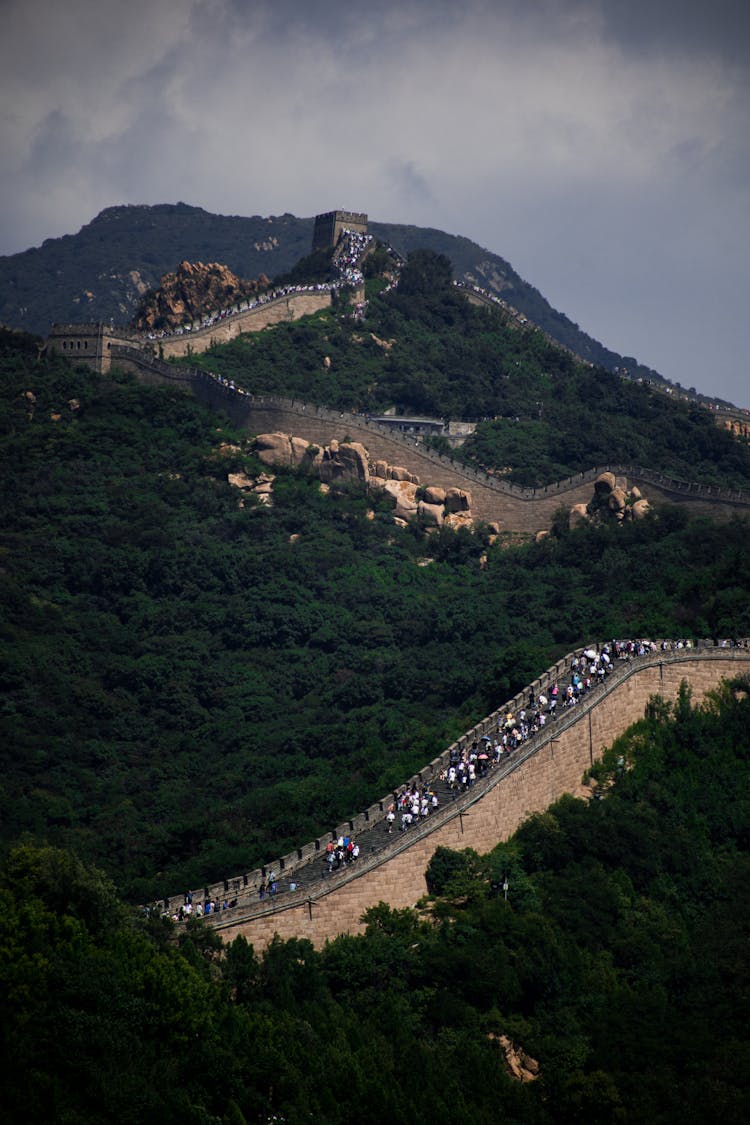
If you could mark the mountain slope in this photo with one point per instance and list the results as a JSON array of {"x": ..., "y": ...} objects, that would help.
[
  {"x": 190, "y": 685},
  {"x": 101, "y": 272}
]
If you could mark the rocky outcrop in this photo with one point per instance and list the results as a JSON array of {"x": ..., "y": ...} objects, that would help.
[
  {"x": 342, "y": 461},
  {"x": 285, "y": 450},
  {"x": 260, "y": 486},
  {"x": 612, "y": 500},
  {"x": 518, "y": 1064},
  {"x": 190, "y": 292},
  {"x": 345, "y": 461}
]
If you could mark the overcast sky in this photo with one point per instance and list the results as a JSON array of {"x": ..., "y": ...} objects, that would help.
[{"x": 600, "y": 146}]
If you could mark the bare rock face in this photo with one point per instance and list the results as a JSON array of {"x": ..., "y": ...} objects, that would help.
[
  {"x": 431, "y": 513},
  {"x": 241, "y": 480},
  {"x": 260, "y": 486},
  {"x": 404, "y": 492},
  {"x": 457, "y": 500},
  {"x": 519, "y": 1065},
  {"x": 434, "y": 495},
  {"x": 191, "y": 291},
  {"x": 604, "y": 483},
  {"x": 397, "y": 472},
  {"x": 578, "y": 514},
  {"x": 617, "y": 500},
  {"x": 380, "y": 469},
  {"x": 345, "y": 461},
  {"x": 457, "y": 520},
  {"x": 640, "y": 509}
]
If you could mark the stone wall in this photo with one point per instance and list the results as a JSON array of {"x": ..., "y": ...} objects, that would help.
[
  {"x": 516, "y": 509},
  {"x": 283, "y": 309},
  {"x": 495, "y": 808}
]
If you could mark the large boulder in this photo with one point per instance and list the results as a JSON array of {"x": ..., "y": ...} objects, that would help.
[
  {"x": 457, "y": 520},
  {"x": 457, "y": 500},
  {"x": 404, "y": 493},
  {"x": 434, "y": 495},
  {"x": 431, "y": 513},
  {"x": 604, "y": 483},
  {"x": 617, "y": 500},
  {"x": 345, "y": 461},
  {"x": 275, "y": 449},
  {"x": 640, "y": 509},
  {"x": 398, "y": 472}
]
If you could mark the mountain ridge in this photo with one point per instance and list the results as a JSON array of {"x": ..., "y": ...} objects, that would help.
[{"x": 102, "y": 272}]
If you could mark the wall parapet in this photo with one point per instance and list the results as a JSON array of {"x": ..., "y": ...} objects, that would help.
[
  {"x": 199, "y": 379},
  {"x": 287, "y": 866}
]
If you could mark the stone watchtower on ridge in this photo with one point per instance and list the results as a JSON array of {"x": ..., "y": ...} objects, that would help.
[{"x": 330, "y": 226}]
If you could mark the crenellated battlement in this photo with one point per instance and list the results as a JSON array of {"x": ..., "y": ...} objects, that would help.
[
  {"x": 549, "y": 765},
  {"x": 330, "y": 226}
]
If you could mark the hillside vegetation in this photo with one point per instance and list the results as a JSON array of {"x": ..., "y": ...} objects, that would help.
[
  {"x": 190, "y": 687},
  {"x": 103, "y": 271},
  {"x": 617, "y": 967},
  {"x": 424, "y": 349}
]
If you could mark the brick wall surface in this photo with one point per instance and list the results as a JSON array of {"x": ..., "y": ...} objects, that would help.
[{"x": 291, "y": 307}]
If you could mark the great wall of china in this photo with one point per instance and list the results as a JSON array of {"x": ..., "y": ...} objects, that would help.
[
  {"x": 392, "y": 868},
  {"x": 516, "y": 509},
  {"x": 551, "y": 764}
]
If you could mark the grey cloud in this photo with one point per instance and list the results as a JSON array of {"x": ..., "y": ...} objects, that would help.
[
  {"x": 601, "y": 147},
  {"x": 667, "y": 26},
  {"x": 408, "y": 182}
]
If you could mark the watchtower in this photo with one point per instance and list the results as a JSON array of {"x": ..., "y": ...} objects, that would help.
[
  {"x": 89, "y": 344},
  {"x": 330, "y": 226}
]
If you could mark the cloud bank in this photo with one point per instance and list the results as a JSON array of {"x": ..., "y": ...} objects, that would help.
[{"x": 601, "y": 148}]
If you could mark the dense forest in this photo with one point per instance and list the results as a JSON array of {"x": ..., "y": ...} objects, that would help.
[
  {"x": 543, "y": 415},
  {"x": 616, "y": 965},
  {"x": 193, "y": 681},
  {"x": 190, "y": 687}
]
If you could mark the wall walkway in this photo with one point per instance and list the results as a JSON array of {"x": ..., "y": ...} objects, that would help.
[
  {"x": 542, "y": 770},
  {"x": 516, "y": 509}
]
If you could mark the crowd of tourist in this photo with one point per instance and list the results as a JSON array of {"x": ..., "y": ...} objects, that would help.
[
  {"x": 244, "y": 306},
  {"x": 412, "y": 804},
  {"x": 513, "y": 727},
  {"x": 198, "y": 909},
  {"x": 346, "y": 261},
  {"x": 339, "y": 852}
]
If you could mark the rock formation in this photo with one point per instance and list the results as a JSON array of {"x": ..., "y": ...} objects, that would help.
[
  {"x": 345, "y": 461},
  {"x": 190, "y": 292},
  {"x": 612, "y": 499},
  {"x": 518, "y": 1064}
]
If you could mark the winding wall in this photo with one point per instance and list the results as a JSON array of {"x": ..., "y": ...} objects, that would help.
[
  {"x": 516, "y": 509},
  {"x": 542, "y": 771}
]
